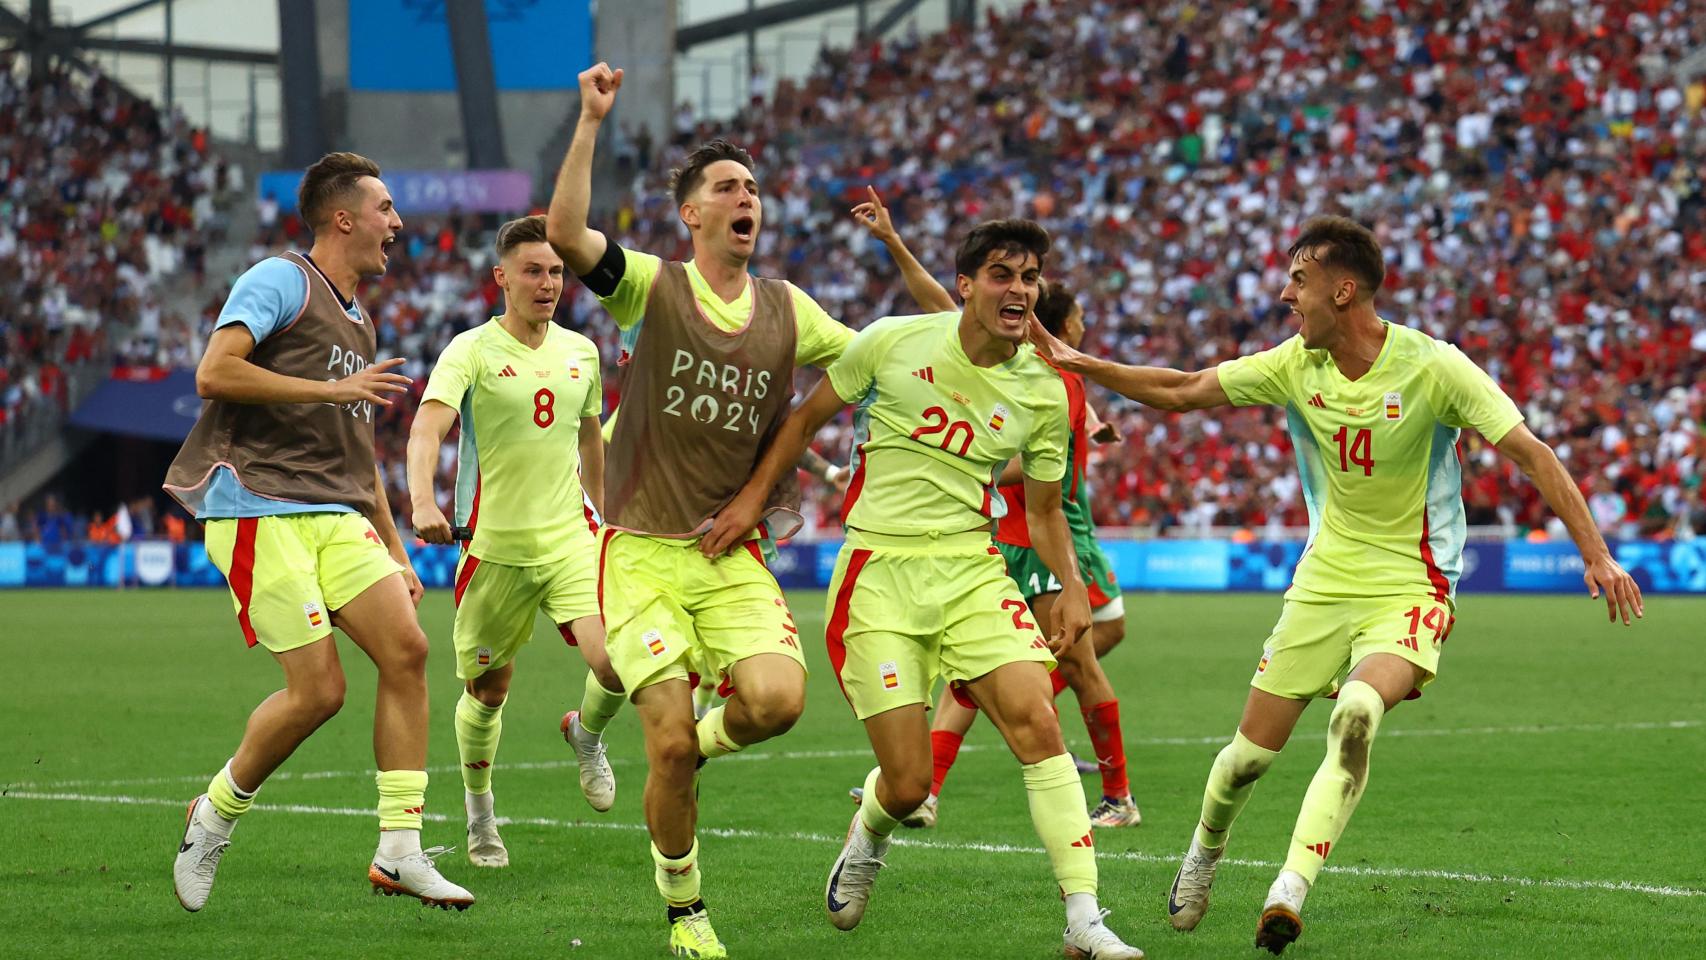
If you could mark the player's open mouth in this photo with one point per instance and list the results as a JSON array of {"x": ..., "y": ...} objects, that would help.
[
  {"x": 385, "y": 246},
  {"x": 1014, "y": 312},
  {"x": 743, "y": 229}
]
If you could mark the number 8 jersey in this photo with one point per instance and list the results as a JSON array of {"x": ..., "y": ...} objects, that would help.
[
  {"x": 517, "y": 476},
  {"x": 1378, "y": 458},
  {"x": 932, "y": 430}
]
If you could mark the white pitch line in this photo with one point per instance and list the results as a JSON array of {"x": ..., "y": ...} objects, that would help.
[
  {"x": 757, "y": 756},
  {"x": 1615, "y": 886}
]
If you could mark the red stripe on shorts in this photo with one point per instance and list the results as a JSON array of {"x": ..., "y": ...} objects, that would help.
[
  {"x": 835, "y": 636},
  {"x": 242, "y": 577},
  {"x": 469, "y": 562}
]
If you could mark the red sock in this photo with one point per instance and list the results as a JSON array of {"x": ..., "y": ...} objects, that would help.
[
  {"x": 944, "y": 749},
  {"x": 1103, "y": 722}
]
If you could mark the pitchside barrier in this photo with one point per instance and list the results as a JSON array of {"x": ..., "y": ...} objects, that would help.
[{"x": 1659, "y": 566}]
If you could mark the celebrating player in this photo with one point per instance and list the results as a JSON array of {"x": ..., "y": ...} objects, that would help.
[
  {"x": 1060, "y": 314},
  {"x": 280, "y": 468},
  {"x": 1375, "y": 410},
  {"x": 919, "y": 588},
  {"x": 708, "y": 367},
  {"x": 528, "y": 394}
]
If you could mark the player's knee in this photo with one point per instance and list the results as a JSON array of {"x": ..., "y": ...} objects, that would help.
[
  {"x": 1241, "y": 766},
  {"x": 777, "y": 713},
  {"x": 675, "y": 752},
  {"x": 907, "y": 790},
  {"x": 606, "y": 676},
  {"x": 1035, "y": 730},
  {"x": 1352, "y": 726},
  {"x": 1107, "y": 635},
  {"x": 321, "y": 700},
  {"x": 407, "y": 651}
]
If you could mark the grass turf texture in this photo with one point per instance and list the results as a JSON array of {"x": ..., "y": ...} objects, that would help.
[{"x": 1554, "y": 748}]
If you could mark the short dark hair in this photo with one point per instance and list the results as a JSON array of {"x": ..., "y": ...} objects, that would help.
[
  {"x": 685, "y": 179},
  {"x": 1003, "y": 237},
  {"x": 1054, "y": 305},
  {"x": 517, "y": 232},
  {"x": 1340, "y": 243},
  {"x": 328, "y": 182}
]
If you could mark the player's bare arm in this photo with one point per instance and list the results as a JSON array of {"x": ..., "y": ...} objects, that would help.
[
  {"x": 565, "y": 222},
  {"x": 1053, "y": 543},
  {"x": 225, "y": 373},
  {"x": 1158, "y": 387},
  {"x": 592, "y": 461},
  {"x": 733, "y": 522},
  {"x": 874, "y": 217},
  {"x": 1101, "y": 431},
  {"x": 1542, "y": 467},
  {"x": 432, "y": 424},
  {"x": 387, "y": 530}
]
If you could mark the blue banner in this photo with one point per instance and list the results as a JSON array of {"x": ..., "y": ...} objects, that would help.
[
  {"x": 1184, "y": 565},
  {"x": 404, "y": 45},
  {"x": 426, "y": 191},
  {"x": 163, "y": 408}
]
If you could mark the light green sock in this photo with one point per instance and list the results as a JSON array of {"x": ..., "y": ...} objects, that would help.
[
  {"x": 478, "y": 728},
  {"x": 227, "y": 799},
  {"x": 876, "y": 819},
  {"x": 678, "y": 880},
  {"x": 1230, "y": 782},
  {"x": 402, "y": 797},
  {"x": 1338, "y": 785},
  {"x": 1062, "y": 823},
  {"x": 598, "y": 705},
  {"x": 714, "y": 739}
]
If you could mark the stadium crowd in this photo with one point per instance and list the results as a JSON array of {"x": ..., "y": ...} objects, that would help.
[
  {"x": 1536, "y": 182},
  {"x": 100, "y": 198}
]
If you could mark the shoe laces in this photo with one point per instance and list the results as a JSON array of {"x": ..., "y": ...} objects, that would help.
[
  {"x": 213, "y": 848},
  {"x": 1196, "y": 873},
  {"x": 1097, "y": 932},
  {"x": 430, "y": 855},
  {"x": 698, "y": 927},
  {"x": 857, "y": 875}
]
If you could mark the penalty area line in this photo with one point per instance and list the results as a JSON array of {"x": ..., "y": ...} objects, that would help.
[{"x": 1407, "y": 873}]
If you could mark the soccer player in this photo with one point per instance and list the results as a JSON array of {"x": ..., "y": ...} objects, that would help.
[
  {"x": 1060, "y": 314},
  {"x": 707, "y": 375},
  {"x": 1374, "y": 410},
  {"x": 528, "y": 394},
  {"x": 280, "y": 468},
  {"x": 920, "y": 590}
]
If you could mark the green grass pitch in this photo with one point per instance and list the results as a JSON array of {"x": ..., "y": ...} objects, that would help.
[{"x": 1541, "y": 801}]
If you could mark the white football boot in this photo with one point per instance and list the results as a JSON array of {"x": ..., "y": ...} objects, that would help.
[
  {"x": 416, "y": 876},
  {"x": 1282, "y": 914},
  {"x": 598, "y": 781},
  {"x": 1094, "y": 941},
  {"x": 199, "y": 853},
  {"x": 1188, "y": 900},
  {"x": 922, "y": 818},
  {"x": 849, "y": 887}
]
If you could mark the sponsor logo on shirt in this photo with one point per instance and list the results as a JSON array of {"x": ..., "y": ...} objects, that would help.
[
  {"x": 1394, "y": 405},
  {"x": 1316, "y": 401},
  {"x": 507, "y": 371},
  {"x": 926, "y": 374},
  {"x": 542, "y": 374},
  {"x": 961, "y": 398}
]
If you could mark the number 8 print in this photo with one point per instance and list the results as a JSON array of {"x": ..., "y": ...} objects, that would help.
[{"x": 544, "y": 413}]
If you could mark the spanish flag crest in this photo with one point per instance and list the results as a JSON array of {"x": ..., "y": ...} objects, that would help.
[
  {"x": 1394, "y": 405},
  {"x": 998, "y": 417}
]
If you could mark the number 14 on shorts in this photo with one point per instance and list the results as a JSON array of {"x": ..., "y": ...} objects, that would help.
[{"x": 1433, "y": 619}]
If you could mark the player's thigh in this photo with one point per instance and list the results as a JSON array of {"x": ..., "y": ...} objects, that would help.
[
  {"x": 1308, "y": 650},
  {"x": 381, "y": 621},
  {"x": 879, "y": 666},
  {"x": 900, "y": 737},
  {"x": 1411, "y": 629},
  {"x": 986, "y": 622},
  {"x": 739, "y": 612},
  {"x": 571, "y": 588},
  {"x": 1019, "y": 701},
  {"x": 495, "y": 607},
  {"x": 272, "y": 573},
  {"x": 649, "y": 636}
]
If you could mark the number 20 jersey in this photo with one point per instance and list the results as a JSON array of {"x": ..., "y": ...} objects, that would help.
[
  {"x": 517, "y": 480},
  {"x": 1378, "y": 458},
  {"x": 932, "y": 430}
]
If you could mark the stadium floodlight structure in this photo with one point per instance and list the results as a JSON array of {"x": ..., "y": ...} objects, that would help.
[
  {"x": 758, "y": 17},
  {"x": 40, "y": 38}
]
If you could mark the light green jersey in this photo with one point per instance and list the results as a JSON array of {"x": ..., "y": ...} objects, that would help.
[
  {"x": 932, "y": 429},
  {"x": 1378, "y": 457},
  {"x": 517, "y": 479}
]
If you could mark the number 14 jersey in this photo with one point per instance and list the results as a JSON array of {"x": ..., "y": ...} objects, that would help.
[
  {"x": 932, "y": 430},
  {"x": 1378, "y": 458}
]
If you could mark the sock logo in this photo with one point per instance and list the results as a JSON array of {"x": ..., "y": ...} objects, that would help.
[
  {"x": 1084, "y": 841},
  {"x": 478, "y": 764},
  {"x": 1320, "y": 849}
]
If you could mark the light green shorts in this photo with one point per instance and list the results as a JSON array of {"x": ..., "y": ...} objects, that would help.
[
  {"x": 906, "y": 610},
  {"x": 1317, "y": 642},
  {"x": 496, "y": 603}
]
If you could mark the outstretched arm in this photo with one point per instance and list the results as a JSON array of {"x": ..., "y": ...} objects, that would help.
[
  {"x": 565, "y": 223},
  {"x": 1158, "y": 387},
  {"x": 874, "y": 217},
  {"x": 743, "y": 512},
  {"x": 1541, "y": 465}
]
